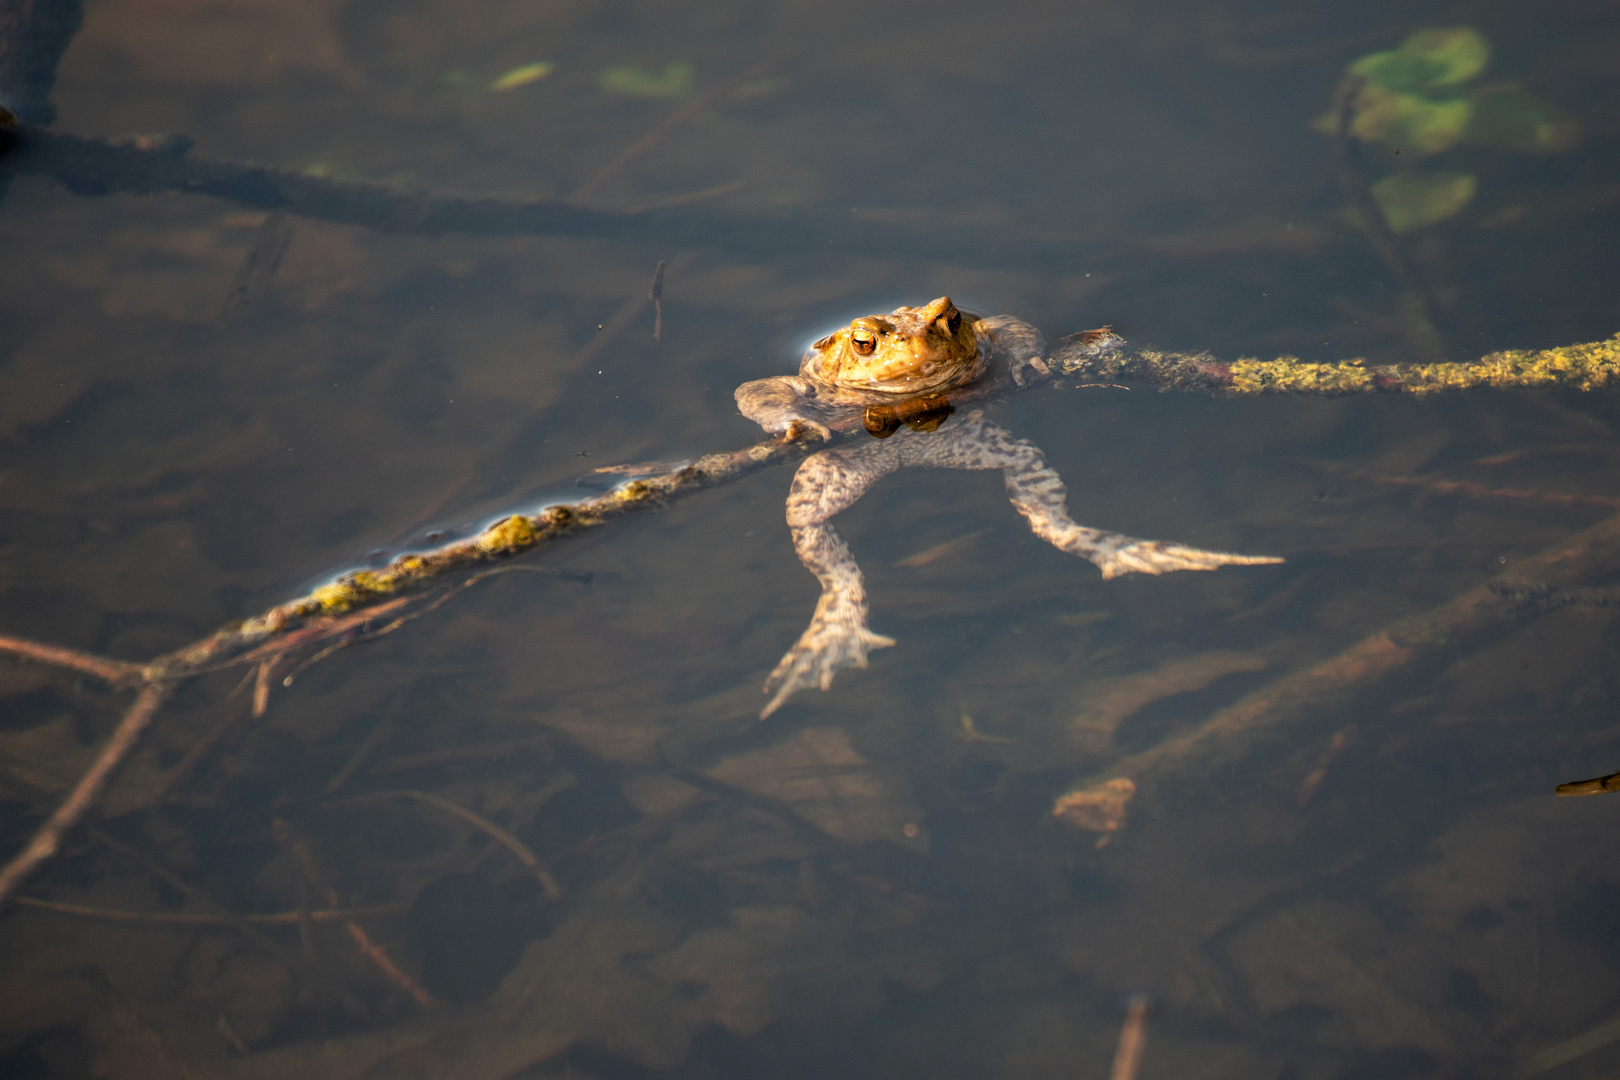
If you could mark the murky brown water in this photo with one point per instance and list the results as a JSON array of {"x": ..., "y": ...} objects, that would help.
[{"x": 871, "y": 882}]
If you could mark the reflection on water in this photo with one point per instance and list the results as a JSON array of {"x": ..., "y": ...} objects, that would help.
[{"x": 540, "y": 832}]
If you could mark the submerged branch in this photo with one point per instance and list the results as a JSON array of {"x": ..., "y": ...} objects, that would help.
[
  {"x": 1592, "y": 365},
  {"x": 145, "y": 165},
  {"x": 86, "y": 791}
]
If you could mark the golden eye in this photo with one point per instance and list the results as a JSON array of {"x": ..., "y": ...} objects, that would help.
[{"x": 864, "y": 341}]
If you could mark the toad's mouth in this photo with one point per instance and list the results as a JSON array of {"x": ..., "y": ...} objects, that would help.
[{"x": 912, "y": 375}]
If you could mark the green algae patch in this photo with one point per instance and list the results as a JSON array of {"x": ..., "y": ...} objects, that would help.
[
  {"x": 1590, "y": 366},
  {"x": 351, "y": 591},
  {"x": 511, "y": 534},
  {"x": 1288, "y": 375}
]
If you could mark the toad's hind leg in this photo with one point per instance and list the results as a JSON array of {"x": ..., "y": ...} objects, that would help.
[
  {"x": 1037, "y": 492},
  {"x": 837, "y": 636}
]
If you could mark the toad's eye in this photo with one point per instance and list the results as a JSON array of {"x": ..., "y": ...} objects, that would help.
[
  {"x": 953, "y": 321},
  {"x": 864, "y": 341}
]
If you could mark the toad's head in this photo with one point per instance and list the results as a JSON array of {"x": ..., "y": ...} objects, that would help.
[{"x": 910, "y": 351}]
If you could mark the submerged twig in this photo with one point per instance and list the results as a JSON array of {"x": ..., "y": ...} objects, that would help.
[
  {"x": 657, "y": 298},
  {"x": 292, "y": 842},
  {"x": 1468, "y": 488},
  {"x": 202, "y": 918},
  {"x": 102, "y": 667},
  {"x": 48, "y": 839},
  {"x": 1596, "y": 786},
  {"x": 1132, "y": 1039},
  {"x": 1550, "y": 596},
  {"x": 145, "y": 166},
  {"x": 659, "y": 133},
  {"x": 1589, "y": 366},
  {"x": 511, "y": 843},
  {"x": 1412, "y": 306},
  {"x": 260, "y": 264},
  {"x": 1316, "y": 690}
]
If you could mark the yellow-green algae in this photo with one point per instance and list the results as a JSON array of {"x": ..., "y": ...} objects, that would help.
[
  {"x": 1588, "y": 366},
  {"x": 1288, "y": 375},
  {"x": 510, "y": 535},
  {"x": 1577, "y": 367}
]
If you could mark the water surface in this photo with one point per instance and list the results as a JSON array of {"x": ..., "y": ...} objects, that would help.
[{"x": 871, "y": 882}]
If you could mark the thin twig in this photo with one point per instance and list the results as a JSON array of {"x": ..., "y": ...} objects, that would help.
[
  {"x": 661, "y": 132},
  {"x": 116, "y": 672},
  {"x": 261, "y": 686},
  {"x": 324, "y": 981},
  {"x": 183, "y": 770},
  {"x": 202, "y": 918},
  {"x": 1311, "y": 692},
  {"x": 380, "y": 733},
  {"x": 657, "y": 298},
  {"x": 458, "y": 755},
  {"x": 357, "y": 933},
  {"x": 511, "y": 843},
  {"x": 1469, "y": 488},
  {"x": 1596, "y": 786},
  {"x": 1412, "y": 306},
  {"x": 1132, "y": 1039},
  {"x": 48, "y": 839}
]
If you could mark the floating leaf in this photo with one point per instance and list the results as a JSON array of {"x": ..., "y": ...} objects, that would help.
[
  {"x": 673, "y": 81},
  {"x": 1412, "y": 200},
  {"x": 1416, "y": 125},
  {"x": 1426, "y": 62},
  {"x": 522, "y": 76},
  {"x": 1507, "y": 118}
]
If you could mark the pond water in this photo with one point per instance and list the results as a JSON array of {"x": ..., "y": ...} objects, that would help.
[{"x": 1343, "y": 858}]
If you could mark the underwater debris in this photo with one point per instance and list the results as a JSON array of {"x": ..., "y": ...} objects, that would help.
[
  {"x": 259, "y": 266},
  {"x": 1551, "y": 596},
  {"x": 1099, "y": 808},
  {"x": 1596, "y": 786}
]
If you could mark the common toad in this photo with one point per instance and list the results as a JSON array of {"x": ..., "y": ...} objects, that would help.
[{"x": 897, "y": 373}]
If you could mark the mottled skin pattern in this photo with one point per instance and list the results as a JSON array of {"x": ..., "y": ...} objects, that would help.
[{"x": 882, "y": 359}]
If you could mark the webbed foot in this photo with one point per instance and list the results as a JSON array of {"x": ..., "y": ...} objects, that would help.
[
  {"x": 828, "y": 645},
  {"x": 1161, "y": 557}
]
